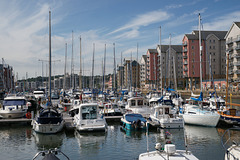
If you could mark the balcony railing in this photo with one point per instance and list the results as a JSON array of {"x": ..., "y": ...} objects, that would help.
[
  {"x": 185, "y": 56},
  {"x": 237, "y": 48},
  {"x": 185, "y": 43},
  {"x": 185, "y": 63},
  {"x": 185, "y": 50},
  {"x": 185, "y": 69},
  {"x": 229, "y": 41},
  {"x": 185, "y": 75},
  {"x": 236, "y": 63}
]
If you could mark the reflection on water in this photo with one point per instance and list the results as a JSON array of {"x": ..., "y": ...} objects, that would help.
[
  {"x": 23, "y": 143},
  {"x": 204, "y": 142},
  {"x": 48, "y": 141}
]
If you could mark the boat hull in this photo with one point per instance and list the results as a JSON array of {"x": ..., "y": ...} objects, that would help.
[
  {"x": 13, "y": 114},
  {"x": 210, "y": 120},
  {"x": 47, "y": 128}
]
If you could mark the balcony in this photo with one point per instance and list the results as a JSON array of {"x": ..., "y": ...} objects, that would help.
[
  {"x": 185, "y": 50},
  {"x": 185, "y": 63},
  {"x": 185, "y": 69},
  {"x": 185, "y": 56},
  {"x": 230, "y": 41},
  {"x": 237, "y": 72},
  {"x": 237, "y": 48},
  {"x": 237, "y": 39},
  {"x": 236, "y": 63},
  {"x": 229, "y": 49},
  {"x": 185, "y": 43},
  {"x": 185, "y": 75}
]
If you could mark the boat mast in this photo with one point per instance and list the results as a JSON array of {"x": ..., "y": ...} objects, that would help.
[
  {"x": 50, "y": 58},
  {"x": 65, "y": 68},
  {"x": 200, "y": 51},
  {"x": 80, "y": 74},
  {"x": 104, "y": 62},
  {"x": 160, "y": 48},
  {"x": 114, "y": 69},
  {"x": 174, "y": 69},
  {"x": 93, "y": 68},
  {"x": 72, "y": 66},
  {"x": 136, "y": 82}
]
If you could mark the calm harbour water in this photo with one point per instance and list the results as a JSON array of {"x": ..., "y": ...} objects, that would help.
[{"x": 19, "y": 142}]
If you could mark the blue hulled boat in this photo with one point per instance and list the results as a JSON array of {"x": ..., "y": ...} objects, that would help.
[{"x": 133, "y": 122}]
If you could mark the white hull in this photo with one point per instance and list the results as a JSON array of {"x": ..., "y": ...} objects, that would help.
[
  {"x": 210, "y": 120},
  {"x": 158, "y": 155},
  {"x": 170, "y": 123},
  {"x": 12, "y": 113},
  {"x": 91, "y": 125},
  {"x": 47, "y": 128}
]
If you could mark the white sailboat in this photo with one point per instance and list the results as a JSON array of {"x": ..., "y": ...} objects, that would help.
[
  {"x": 48, "y": 120},
  {"x": 194, "y": 114}
]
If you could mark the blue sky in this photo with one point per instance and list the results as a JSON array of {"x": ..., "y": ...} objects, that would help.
[{"x": 24, "y": 29}]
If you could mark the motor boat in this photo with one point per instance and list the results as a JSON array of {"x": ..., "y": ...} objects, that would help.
[
  {"x": 51, "y": 154},
  {"x": 14, "y": 107},
  {"x": 167, "y": 152},
  {"x": 164, "y": 117},
  {"x": 138, "y": 105},
  {"x": 87, "y": 118},
  {"x": 133, "y": 122},
  {"x": 48, "y": 120}
]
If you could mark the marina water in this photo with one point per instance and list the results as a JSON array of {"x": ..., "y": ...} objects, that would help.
[{"x": 19, "y": 142}]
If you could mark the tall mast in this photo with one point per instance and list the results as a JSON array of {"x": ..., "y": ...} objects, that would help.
[
  {"x": 93, "y": 67},
  {"x": 50, "y": 58},
  {"x": 137, "y": 69},
  {"x": 169, "y": 62},
  {"x": 114, "y": 68},
  {"x": 121, "y": 71},
  {"x": 174, "y": 68},
  {"x": 200, "y": 51},
  {"x": 80, "y": 74},
  {"x": 160, "y": 48},
  {"x": 104, "y": 64},
  {"x": 65, "y": 68},
  {"x": 72, "y": 66}
]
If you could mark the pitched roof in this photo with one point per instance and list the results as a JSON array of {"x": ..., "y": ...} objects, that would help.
[
  {"x": 237, "y": 23},
  {"x": 177, "y": 48},
  {"x": 195, "y": 34},
  {"x": 152, "y": 50}
]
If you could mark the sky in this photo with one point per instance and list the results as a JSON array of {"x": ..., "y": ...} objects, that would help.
[{"x": 24, "y": 30}]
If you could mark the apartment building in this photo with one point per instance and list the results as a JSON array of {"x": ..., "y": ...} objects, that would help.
[
  {"x": 6, "y": 77},
  {"x": 170, "y": 67},
  {"x": 152, "y": 69},
  {"x": 233, "y": 49},
  {"x": 131, "y": 73},
  {"x": 213, "y": 54},
  {"x": 143, "y": 72}
]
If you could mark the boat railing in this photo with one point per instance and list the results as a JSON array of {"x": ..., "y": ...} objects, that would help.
[
  {"x": 229, "y": 139},
  {"x": 50, "y": 152}
]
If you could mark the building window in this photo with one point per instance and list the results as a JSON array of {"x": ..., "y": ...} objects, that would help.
[
  {"x": 213, "y": 47},
  {"x": 214, "y": 41},
  {"x": 210, "y": 40},
  {"x": 192, "y": 47},
  {"x": 210, "y": 47},
  {"x": 193, "y": 73},
  {"x": 192, "y": 41}
]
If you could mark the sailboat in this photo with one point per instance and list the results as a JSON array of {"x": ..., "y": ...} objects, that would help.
[
  {"x": 229, "y": 115},
  {"x": 193, "y": 111},
  {"x": 48, "y": 120}
]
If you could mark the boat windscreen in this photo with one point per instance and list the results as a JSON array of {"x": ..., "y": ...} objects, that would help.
[
  {"x": 14, "y": 102},
  {"x": 134, "y": 117}
]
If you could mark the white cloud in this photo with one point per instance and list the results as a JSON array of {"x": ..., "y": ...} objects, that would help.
[
  {"x": 144, "y": 20},
  {"x": 222, "y": 22},
  {"x": 174, "y": 6}
]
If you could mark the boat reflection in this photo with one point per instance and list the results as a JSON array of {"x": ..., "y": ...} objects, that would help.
[
  {"x": 48, "y": 141},
  {"x": 90, "y": 142},
  {"x": 138, "y": 134},
  {"x": 204, "y": 141}
]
